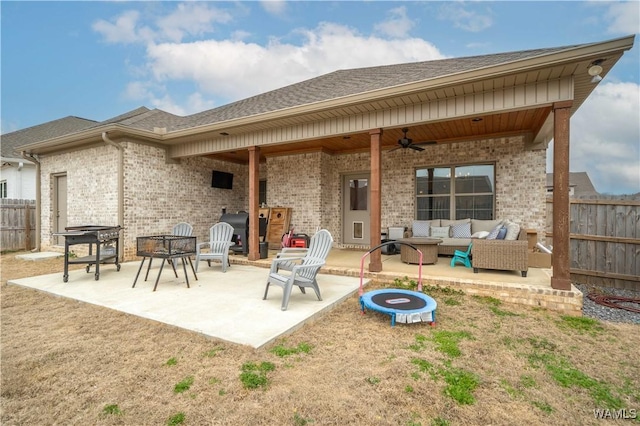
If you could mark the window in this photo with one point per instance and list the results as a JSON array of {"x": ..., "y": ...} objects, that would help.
[
  {"x": 3, "y": 189},
  {"x": 358, "y": 196},
  {"x": 262, "y": 192},
  {"x": 455, "y": 192}
]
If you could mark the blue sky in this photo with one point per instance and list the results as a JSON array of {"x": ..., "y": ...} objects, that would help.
[{"x": 97, "y": 60}]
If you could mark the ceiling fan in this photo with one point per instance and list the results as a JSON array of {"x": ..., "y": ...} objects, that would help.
[{"x": 405, "y": 142}]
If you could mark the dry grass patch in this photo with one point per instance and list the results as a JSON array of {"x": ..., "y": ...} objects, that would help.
[{"x": 484, "y": 362}]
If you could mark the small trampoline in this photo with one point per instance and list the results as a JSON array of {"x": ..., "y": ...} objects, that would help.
[{"x": 404, "y": 306}]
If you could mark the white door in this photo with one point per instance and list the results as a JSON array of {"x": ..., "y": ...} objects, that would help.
[
  {"x": 355, "y": 205},
  {"x": 59, "y": 206}
]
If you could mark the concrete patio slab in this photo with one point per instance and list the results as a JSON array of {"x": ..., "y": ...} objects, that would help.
[
  {"x": 226, "y": 306},
  {"x": 44, "y": 255}
]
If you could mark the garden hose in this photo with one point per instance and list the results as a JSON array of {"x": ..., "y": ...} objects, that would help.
[{"x": 615, "y": 301}]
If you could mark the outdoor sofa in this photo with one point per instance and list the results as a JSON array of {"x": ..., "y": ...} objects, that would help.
[{"x": 497, "y": 244}]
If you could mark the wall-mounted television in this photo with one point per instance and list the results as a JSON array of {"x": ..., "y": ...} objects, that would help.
[{"x": 222, "y": 180}]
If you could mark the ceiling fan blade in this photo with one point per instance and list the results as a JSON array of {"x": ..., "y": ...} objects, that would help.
[
  {"x": 393, "y": 149},
  {"x": 416, "y": 148}
]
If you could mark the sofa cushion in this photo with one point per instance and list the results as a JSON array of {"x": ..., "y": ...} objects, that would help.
[
  {"x": 480, "y": 234},
  {"x": 440, "y": 231},
  {"x": 501, "y": 233},
  {"x": 461, "y": 230},
  {"x": 420, "y": 228},
  {"x": 447, "y": 222},
  {"x": 513, "y": 230},
  {"x": 456, "y": 242},
  {"x": 478, "y": 225},
  {"x": 494, "y": 232}
]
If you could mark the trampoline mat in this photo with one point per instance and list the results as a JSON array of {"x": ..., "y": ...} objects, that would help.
[{"x": 398, "y": 301}]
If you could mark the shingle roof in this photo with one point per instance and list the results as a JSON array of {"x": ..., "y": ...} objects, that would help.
[
  {"x": 580, "y": 181},
  {"x": 344, "y": 83},
  {"x": 51, "y": 129}
]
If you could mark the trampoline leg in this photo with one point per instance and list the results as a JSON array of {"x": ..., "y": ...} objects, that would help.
[{"x": 393, "y": 320}]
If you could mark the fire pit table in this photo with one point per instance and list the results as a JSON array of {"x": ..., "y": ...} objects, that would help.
[
  {"x": 428, "y": 247},
  {"x": 168, "y": 248}
]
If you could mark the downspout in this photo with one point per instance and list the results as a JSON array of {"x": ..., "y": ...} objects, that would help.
[
  {"x": 120, "y": 172},
  {"x": 33, "y": 159}
]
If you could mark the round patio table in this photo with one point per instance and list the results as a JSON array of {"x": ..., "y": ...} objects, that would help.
[{"x": 428, "y": 247}]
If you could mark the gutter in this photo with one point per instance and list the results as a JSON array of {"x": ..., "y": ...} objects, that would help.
[
  {"x": 33, "y": 159},
  {"x": 120, "y": 172}
]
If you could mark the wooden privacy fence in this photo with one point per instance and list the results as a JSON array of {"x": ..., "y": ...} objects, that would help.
[
  {"x": 17, "y": 224},
  {"x": 604, "y": 241}
]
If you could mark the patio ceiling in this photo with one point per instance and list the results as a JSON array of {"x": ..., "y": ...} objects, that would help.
[{"x": 480, "y": 127}]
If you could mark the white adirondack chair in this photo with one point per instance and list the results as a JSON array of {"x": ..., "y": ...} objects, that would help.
[
  {"x": 220, "y": 236},
  {"x": 288, "y": 271}
]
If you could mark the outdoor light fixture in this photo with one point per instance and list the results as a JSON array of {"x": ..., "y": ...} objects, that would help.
[{"x": 595, "y": 69}]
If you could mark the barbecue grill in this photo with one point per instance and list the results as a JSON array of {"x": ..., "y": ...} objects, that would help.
[
  {"x": 240, "y": 223},
  {"x": 103, "y": 237}
]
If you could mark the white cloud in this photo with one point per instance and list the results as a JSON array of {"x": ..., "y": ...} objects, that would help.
[
  {"x": 624, "y": 17},
  {"x": 605, "y": 138},
  {"x": 190, "y": 19},
  {"x": 274, "y": 7},
  {"x": 235, "y": 69},
  {"x": 123, "y": 29},
  {"x": 231, "y": 69},
  {"x": 464, "y": 17},
  {"x": 398, "y": 24}
]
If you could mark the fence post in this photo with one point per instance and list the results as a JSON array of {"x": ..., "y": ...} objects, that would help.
[{"x": 27, "y": 226}]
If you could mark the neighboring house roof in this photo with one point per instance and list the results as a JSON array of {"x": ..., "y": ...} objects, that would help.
[
  {"x": 49, "y": 130},
  {"x": 579, "y": 181}
]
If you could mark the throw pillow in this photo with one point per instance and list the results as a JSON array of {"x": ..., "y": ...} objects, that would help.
[
  {"x": 494, "y": 233},
  {"x": 513, "y": 229},
  {"x": 420, "y": 228},
  {"x": 440, "y": 231},
  {"x": 501, "y": 233},
  {"x": 480, "y": 235},
  {"x": 461, "y": 230}
]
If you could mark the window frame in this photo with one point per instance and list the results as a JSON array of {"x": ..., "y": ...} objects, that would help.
[
  {"x": 4, "y": 189},
  {"x": 452, "y": 194}
]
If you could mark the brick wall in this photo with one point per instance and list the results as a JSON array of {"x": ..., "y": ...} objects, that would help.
[
  {"x": 91, "y": 188},
  {"x": 311, "y": 183},
  {"x": 159, "y": 193}
]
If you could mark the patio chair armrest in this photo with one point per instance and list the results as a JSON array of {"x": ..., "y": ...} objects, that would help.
[
  {"x": 275, "y": 264},
  {"x": 314, "y": 263},
  {"x": 292, "y": 252},
  {"x": 200, "y": 246}
]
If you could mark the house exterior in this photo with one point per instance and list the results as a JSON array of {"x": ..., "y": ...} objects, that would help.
[
  {"x": 18, "y": 174},
  {"x": 580, "y": 185},
  {"x": 314, "y": 144}
]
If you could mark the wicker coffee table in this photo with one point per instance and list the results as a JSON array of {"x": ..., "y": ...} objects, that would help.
[{"x": 428, "y": 247}]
